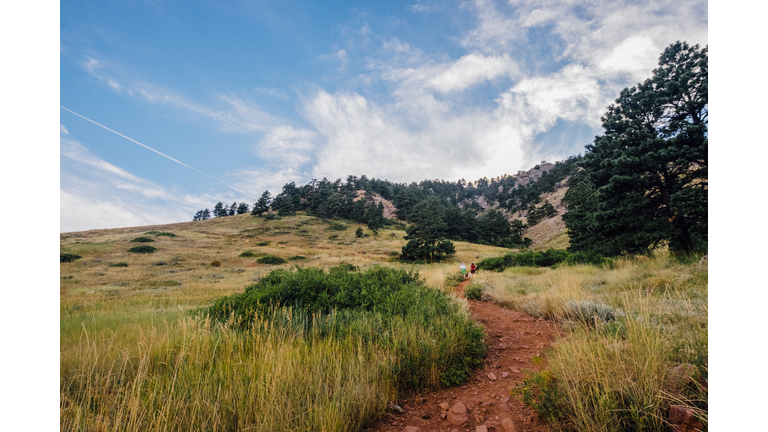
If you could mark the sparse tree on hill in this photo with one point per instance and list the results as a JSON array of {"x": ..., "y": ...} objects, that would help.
[
  {"x": 219, "y": 210},
  {"x": 242, "y": 208},
  {"x": 262, "y": 205}
]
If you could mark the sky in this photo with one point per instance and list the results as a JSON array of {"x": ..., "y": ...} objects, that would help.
[{"x": 170, "y": 107}]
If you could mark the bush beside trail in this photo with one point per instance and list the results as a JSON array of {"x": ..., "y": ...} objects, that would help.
[
  {"x": 431, "y": 337},
  {"x": 547, "y": 258}
]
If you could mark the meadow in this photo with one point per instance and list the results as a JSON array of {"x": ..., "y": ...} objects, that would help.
[{"x": 137, "y": 354}]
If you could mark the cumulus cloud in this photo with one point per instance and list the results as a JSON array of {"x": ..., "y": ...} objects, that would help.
[{"x": 427, "y": 127}]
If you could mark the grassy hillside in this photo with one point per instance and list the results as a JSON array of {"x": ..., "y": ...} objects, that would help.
[{"x": 133, "y": 357}]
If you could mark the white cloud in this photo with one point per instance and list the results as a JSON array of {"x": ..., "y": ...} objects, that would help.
[
  {"x": 63, "y": 130},
  {"x": 234, "y": 115},
  {"x": 97, "y": 194},
  {"x": 287, "y": 147},
  {"x": 472, "y": 69}
]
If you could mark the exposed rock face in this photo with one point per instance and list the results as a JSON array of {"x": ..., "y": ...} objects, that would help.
[
  {"x": 683, "y": 419},
  {"x": 458, "y": 415}
]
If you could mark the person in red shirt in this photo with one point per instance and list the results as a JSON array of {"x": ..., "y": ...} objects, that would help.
[{"x": 472, "y": 269}]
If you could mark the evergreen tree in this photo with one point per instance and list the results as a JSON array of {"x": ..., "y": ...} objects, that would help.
[
  {"x": 232, "y": 209},
  {"x": 206, "y": 215},
  {"x": 219, "y": 210},
  {"x": 242, "y": 208},
  {"x": 496, "y": 229},
  {"x": 645, "y": 180},
  {"x": 262, "y": 205},
  {"x": 426, "y": 236}
]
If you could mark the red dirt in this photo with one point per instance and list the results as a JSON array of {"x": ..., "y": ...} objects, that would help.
[{"x": 513, "y": 340}]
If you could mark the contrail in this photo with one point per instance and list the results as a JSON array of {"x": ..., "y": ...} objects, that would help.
[{"x": 161, "y": 154}]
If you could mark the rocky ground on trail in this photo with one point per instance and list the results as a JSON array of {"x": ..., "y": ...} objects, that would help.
[{"x": 516, "y": 343}]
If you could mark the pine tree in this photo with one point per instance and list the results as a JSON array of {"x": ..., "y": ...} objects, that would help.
[
  {"x": 242, "y": 208},
  {"x": 426, "y": 236},
  {"x": 645, "y": 179},
  {"x": 262, "y": 205},
  {"x": 219, "y": 210}
]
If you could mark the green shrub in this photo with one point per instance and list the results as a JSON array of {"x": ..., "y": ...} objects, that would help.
[
  {"x": 119, "y": 264},
  {"x": 548, "y": 258},
  {"x": 250, "y": 254},
  {"x": 453, "y": 280},
  {"x": 540, "y": 392},
  {"x": 337, "y": 226},
  {"x": 142, "y": 249},
  {"x": 343, "y": 266},
  {"x": 264, "y": 243},
  {"x": 359, "y": 232},
  {"x": 159, "y": 263},
  {"x": 432, "y": 340},
  {"x": 333, "y": 237},
  {"x": 142, "y": 240},
  {"x": 215, "y": 263},
  {"x": 297, "y": 258},
  {"x": 165, "y": 234},
  {"x": 270, "y": 259},
  {"x": 68, "y": 257},
  {"x": 474, "y": 292}
]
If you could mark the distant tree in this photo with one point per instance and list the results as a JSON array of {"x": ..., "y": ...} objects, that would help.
[
  {"x": 535, "y": 215},
  {"x": 198, "y": 215},
  {"x": 219, "y": 210},
  {"x": 288, "y": 201},
  {"x": 495, "y": 228},
  {"x": 232, "y": 209},
  {"x": 206, "y": 215},
  {"x": 405, "y": 200},
  {"x": 262, "y": 205},
  {"x": 359, "y": 232},
  {"x": 645, "y": 180},
  {"x": 375, "y": 217},
  {"x": 242, "y": 208},
  {"x": 427, "y": 235}
]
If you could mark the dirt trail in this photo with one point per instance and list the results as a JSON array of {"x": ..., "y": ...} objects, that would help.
[{"x": 513, "y": 340}]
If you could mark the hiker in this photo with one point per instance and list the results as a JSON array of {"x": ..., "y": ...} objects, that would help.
[
  {"x": 472, "y": 269},
  {"x": 463, "y": 269}
]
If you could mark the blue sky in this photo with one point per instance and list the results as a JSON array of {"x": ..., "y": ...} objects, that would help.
[{"x": 257, "y": 94}]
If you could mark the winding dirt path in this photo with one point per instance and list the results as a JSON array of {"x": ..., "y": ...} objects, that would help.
[{"x": 514, "y": 339}]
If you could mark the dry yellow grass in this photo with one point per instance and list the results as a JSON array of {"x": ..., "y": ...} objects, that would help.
[
  {"x": 131, "y": 357},
  {"x": 617, "y": 375}
]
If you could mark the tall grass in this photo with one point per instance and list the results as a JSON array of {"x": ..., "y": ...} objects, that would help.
[
  {"x": 613, "y": 371},
  {"x": 194, "y": 374}
]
